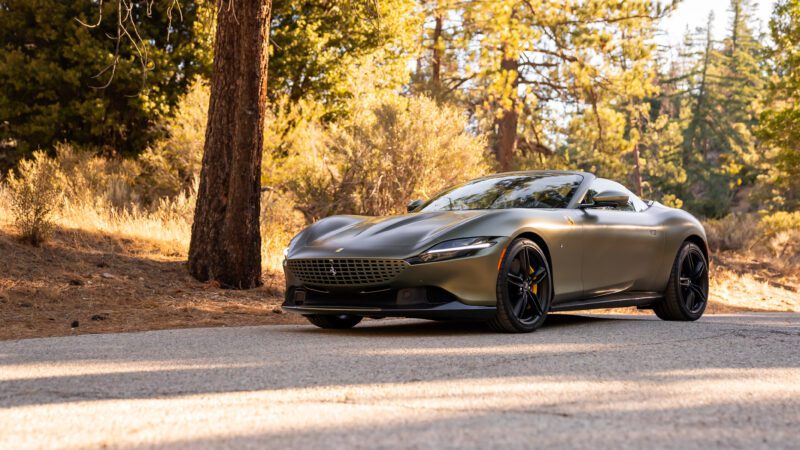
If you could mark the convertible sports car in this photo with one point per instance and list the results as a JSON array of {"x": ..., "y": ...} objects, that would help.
[{"x": 506, "y": 248}]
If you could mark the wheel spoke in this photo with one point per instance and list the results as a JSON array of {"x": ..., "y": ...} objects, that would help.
[
  {"x": 539, "y": 276},
  {"x": 689, "y": 299},
  {"x": 525, "y": 262},
  {"x": 536, "y": 302},
  {"x": 699, "y": 269},
  {"x": 517, "y": 284},
  {"x": 519, "y": 308},
  {"x": 690, "y": 262},
  {"x": 698, "y": 291},
  {"x": 516, "y": 278}
]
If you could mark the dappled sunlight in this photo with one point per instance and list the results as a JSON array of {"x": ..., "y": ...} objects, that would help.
[
  {"x": 580, "y": 377},
  {"x": 15, "y": 372},
  {"x": 383, "y": 408},
  {"x": 539, "y": 349},
  {"x": 747, "y": 292}
]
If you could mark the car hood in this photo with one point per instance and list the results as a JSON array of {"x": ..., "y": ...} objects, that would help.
[{"x": 392, "y": 236}]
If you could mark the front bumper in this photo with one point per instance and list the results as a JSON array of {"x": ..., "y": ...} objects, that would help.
[
  {"x": 463, "y": 287},
  {"x": 451, "y": 310}
]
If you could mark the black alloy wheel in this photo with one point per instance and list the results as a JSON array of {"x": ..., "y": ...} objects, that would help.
[
  {"x": 524, "y": 288},
  {"x": 687, "y": 291}
]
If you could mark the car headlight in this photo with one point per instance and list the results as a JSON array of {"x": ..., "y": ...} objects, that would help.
[{"x": 457, "y": 248}]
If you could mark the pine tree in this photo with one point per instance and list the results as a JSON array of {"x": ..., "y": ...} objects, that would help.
[
  {"x": 226, "y": 236},
  {"x": 56, "y": 62},
  {"x": 719, "y": 150},
  {"x": 315, "y": 45},
  {"x": 532, "y": 57},
  {"x": 780, "y": 126}
]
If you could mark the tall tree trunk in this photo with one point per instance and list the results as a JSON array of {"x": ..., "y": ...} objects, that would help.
[
  {"x": 505, "y": 126},
  {"x": 226, "y": 241},
  {"x": 436, "y": 57},
  {"x": 698, "y": 111}
]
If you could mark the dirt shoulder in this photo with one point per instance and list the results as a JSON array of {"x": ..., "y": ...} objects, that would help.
[{"x": 104, "y": 283}]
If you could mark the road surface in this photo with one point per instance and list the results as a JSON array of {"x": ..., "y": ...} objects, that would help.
[{"x": 579, "y": 382}]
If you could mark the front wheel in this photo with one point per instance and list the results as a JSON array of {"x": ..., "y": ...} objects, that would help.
[
  {"x": 524, "y": 288},
  {"x": 336, "y": 322},
  {"x": 687, "y": 290}
]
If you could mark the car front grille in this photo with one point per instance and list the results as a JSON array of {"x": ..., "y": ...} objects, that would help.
[{"x": 346, "y": 271}]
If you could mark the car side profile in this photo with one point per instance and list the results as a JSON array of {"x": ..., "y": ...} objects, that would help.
[{"x": 507, "y": 248}]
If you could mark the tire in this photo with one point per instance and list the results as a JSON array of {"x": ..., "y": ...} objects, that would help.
[
  {"x": 335, "y": 322},
  {"x": 686, "y": 296},
  {"x": 523, "y": 296}
]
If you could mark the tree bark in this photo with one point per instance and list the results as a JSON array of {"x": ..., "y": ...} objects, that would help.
[
  {"x": 436, "y": 59},
  {"x": 226, "y": 240},
  {"x": 505, "y": 126}
]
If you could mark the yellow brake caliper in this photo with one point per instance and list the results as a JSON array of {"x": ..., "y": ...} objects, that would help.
[{"x": 534, "y": 288}]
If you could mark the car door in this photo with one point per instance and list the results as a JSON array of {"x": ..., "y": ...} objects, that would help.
[{"x": 620, "y": 245}]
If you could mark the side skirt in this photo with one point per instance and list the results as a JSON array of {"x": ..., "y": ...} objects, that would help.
[{"x": 642, "y": 300}]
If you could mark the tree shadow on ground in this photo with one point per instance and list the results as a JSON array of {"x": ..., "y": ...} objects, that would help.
[
  {"x": 108, "y": 283},
  {"x": 206, "y": 361}
]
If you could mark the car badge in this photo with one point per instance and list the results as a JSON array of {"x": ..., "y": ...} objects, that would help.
[
  {"x": 332, "y": 271},
  {"x": 339, "y": 249}
]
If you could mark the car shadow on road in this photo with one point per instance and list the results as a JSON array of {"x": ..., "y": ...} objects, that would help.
[{"x": 417, "y": 328}]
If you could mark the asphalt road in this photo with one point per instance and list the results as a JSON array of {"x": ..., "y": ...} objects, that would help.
[{"x": 580, "y": 382}]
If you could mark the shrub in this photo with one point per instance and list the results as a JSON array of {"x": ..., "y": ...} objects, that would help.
[
  {"x": 782, "y": 233},
  {"x": 170, "y": 166},
  {"x": 733, "y": 232},
  {"x": 390, "y": 150},
  {"x": 35, "y": 195}
]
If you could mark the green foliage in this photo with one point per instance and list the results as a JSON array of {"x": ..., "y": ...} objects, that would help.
[
  {"x": 390, "y": 150},
  {"x": 534, "y": 58},
  {"x": 35, "y": 195},
  {"x": 53, "y": 69},
  {"x": 171, "y": 165},
  {"x": 317, "y": 44},
  {"x": 726, "y": 84},
  {"x": 780, "y": 123}
]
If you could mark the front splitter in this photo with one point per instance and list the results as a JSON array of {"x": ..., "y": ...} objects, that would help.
[{"x": 451, "y": 310}]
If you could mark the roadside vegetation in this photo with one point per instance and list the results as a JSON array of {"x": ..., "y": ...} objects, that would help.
[{"x": 365, "y": 115}]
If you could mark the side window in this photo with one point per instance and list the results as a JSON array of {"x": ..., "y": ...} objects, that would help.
[{"x": 600, "y": 184}]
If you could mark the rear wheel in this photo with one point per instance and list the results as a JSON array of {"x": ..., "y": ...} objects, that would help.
[
  {"x": 687, "y": 291},
  {"x": 338, "y": 322},
  {"x": 524, "y": 288}
]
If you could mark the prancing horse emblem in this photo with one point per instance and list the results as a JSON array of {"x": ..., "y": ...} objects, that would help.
[{"x": 332, "y": 271}]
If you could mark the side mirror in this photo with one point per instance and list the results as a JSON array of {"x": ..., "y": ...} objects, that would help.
[
  {"x": 413, "y": 205},
  {"x": 613, "y": 199}
]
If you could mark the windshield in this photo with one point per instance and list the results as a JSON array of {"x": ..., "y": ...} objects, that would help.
[{"x": 508, "y": 191}]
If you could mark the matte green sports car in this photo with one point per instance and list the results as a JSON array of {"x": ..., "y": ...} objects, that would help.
[{"x": 506, "y": 248}]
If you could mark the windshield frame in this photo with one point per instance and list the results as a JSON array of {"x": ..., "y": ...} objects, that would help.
[{"x": 580, "y": 191}]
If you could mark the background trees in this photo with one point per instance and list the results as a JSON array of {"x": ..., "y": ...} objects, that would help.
[
  {"x": 364, "y": 97},
  {"x": 55, "y": 74},
  {"x": 780, "y": 121}
]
